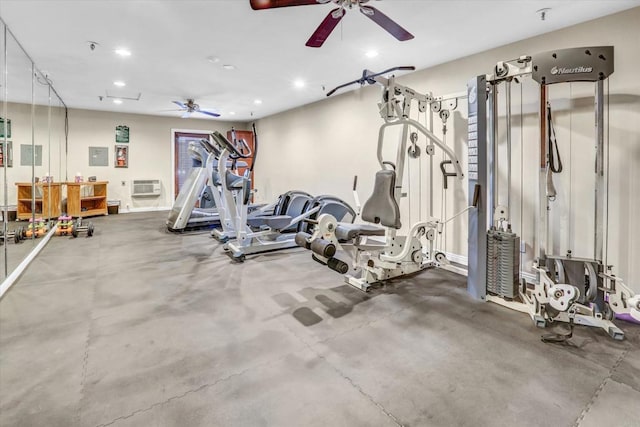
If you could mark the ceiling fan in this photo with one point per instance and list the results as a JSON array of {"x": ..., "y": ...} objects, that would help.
[
  {"x": 191, "y": 107},
  {"x": 333, "y": 18}
]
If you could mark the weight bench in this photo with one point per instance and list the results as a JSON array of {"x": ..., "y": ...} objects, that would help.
[
  {"x": 347, "y": 232},
  {"x": 373, "y": 261},
  {"x": 380, "y": 208}
]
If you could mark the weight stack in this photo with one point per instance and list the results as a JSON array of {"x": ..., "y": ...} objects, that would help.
[{"x": 503, "y": 263}]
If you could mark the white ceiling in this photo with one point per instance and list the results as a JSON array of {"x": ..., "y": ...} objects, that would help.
[{"x": 170, "y": 41}]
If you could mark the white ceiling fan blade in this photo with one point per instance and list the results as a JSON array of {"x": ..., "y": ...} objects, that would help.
[{"x": 209, "y": 113}]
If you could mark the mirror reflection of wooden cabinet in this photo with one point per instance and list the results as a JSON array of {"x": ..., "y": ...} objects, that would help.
[{"x": 47, "y": 200}]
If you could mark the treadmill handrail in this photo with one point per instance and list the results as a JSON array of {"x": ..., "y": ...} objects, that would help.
[{"x": 233, "y": 150}]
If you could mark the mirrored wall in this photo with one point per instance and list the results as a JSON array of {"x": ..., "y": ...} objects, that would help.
[{"x": 32, "y": 158}]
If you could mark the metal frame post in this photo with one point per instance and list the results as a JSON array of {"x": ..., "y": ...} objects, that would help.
[
  {"x": 478, "y": 175},
  {"x": 543, "y": 202},
  {"x": 508, "y": 130},
  {"x": 600, "y": 199},
  {"x": 493, "y": 158}
]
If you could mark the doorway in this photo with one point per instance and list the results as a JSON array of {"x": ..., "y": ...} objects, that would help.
[{"x": 182, "y": 162}]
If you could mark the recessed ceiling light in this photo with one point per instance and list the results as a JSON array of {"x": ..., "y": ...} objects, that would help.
[
  {"x": 213, "y": 59},
  {"x": 119, "y": 83},
  {"x": 257, "y": 101},
  {"x": 123, "y": 52},
  {"x": 232, "y": 113},
  {"x": 229, "y": 67},
  {"x": 299, "y": 83},
  {"x": 117, "y": 101},
  {"x": 371, "y": 53}
]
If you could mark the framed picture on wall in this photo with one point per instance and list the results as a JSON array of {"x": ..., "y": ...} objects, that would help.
[
  {"x": 122, "y": 133},
  {"x": 122, "y": 156},
  {"x": 5, "y": 124},
  {"x": 8, "y": 156}
]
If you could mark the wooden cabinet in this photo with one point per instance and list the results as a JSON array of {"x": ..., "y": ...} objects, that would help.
[
  {"x": 87, "y": 198},
  {"x": 47, "y": 200}
]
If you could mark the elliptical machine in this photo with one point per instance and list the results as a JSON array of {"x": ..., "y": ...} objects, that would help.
[{"x": 271, "y": 227}]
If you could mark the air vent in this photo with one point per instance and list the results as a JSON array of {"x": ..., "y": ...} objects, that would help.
[{"x": 146, "y": 188}]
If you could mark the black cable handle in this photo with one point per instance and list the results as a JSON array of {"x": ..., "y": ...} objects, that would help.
[{"x": 553, "y": 144}]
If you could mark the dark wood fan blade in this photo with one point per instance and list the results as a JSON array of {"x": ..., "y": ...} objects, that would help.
[
  {"x": 270, "y": 4},
  {"x": 323, "y": 31},
  {"x": 387, "y": 23}
]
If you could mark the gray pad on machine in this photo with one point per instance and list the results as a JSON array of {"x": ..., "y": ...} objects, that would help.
[
  {"x": 276, "y": 222},
  {"x": 346, "y": 231},
  {"x": 234, "y": 182},
  {"x": 382, "y": 208}
]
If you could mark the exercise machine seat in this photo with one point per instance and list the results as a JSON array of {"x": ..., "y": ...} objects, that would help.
[
  {"x": 382, "y": 208},
  {"x": 346, "y": 231},
  {"x": 234, "y": 182}
]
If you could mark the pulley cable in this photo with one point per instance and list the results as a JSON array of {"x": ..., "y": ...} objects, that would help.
[
  {"x": 570, "y": 166},
  {"x": 521, "y": 169}
]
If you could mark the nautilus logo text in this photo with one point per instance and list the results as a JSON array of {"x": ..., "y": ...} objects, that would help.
[{"x": 565, "y": 70}]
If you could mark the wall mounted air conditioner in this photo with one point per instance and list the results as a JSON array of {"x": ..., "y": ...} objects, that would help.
[{"x": 146, "y": 188}]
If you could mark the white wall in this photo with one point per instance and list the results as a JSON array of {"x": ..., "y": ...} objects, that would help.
[
  {"x": 21, "y": 133},
  {"x": 320, "y": 147},
  {"x": 150, "y": 149}
]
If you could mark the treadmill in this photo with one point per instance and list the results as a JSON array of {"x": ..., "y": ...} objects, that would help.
[{"x": 199, "y": 186}]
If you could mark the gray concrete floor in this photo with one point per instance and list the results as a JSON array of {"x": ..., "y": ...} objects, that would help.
[
  {"x": 15, "y": 252},
  {"x": 137, "y": 327}
]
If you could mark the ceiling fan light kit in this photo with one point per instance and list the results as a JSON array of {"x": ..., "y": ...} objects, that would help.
[{"x": 330, "y": 22}]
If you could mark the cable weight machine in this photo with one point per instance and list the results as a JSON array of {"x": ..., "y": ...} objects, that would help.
[{"x": 574, "y": 290}]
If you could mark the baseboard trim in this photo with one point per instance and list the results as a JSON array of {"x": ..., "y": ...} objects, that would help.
[
  {"x": 15, "y": 274},
  {"x": 458, "y": 259},
  {"x": 463, "y": 260},
  {"x": 150, "y": 209}
]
